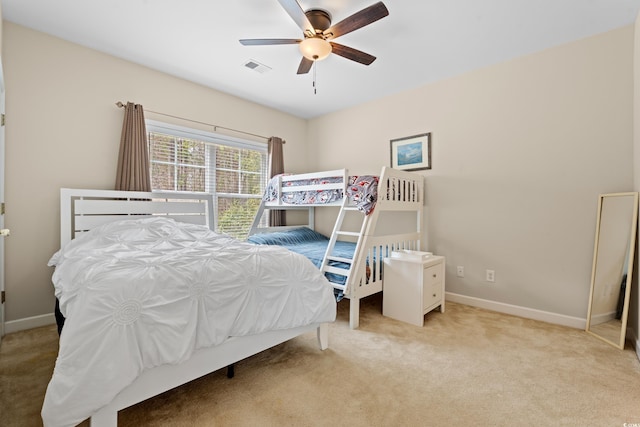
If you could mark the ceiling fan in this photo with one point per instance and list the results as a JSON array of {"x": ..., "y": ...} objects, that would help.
[{"x": 318, "y": 33}]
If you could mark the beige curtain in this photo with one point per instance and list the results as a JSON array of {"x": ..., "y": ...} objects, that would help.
[
  {"x": 133, "y": 160},
  {"x": 276, "y": 166}
]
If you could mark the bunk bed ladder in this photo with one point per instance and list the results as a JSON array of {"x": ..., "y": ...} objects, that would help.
[{"x": 339, "y": 234}]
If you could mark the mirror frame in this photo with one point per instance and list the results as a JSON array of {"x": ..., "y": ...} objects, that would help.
[{"x": 630, "y": 263}]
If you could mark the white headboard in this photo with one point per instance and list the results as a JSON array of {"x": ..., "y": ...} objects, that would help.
[{"x": 82, "y": 210}]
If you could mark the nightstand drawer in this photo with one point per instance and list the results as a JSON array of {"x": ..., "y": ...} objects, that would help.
[
  {"x": 431, "y": 295},
  {"x": 433, "y": 274}
]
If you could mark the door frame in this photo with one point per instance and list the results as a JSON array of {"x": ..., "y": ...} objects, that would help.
[{"x": 2, "y": 164}]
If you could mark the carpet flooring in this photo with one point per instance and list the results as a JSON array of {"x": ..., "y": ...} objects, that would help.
[{"x": 465, "y": 367}]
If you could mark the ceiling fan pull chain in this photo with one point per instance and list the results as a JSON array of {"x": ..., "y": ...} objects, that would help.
[{"x": 314, "y": 78}]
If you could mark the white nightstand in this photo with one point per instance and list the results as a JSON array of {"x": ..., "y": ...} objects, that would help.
[{"x": 413, "y": 286}]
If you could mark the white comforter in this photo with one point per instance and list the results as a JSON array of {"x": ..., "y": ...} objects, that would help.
[{"x": 141, "y": 293}]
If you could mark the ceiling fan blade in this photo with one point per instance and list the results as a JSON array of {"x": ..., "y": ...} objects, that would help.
[
  {"x": 360, "y": 19},
  {"x": 262, "y": 42},
  {"x": 293, "y": 8},
  {"x": 305, "y": 66},
  {"x": 352, "y": 54}
]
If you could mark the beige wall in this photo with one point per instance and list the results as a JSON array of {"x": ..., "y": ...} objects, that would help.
[
  {"x": 521, "y": 151},
  {"x": 1, "y": 22},
  {"x": 63, "y": 130}
]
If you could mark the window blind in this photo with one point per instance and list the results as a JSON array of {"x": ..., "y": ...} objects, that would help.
[{"x": 233, "y": 170}]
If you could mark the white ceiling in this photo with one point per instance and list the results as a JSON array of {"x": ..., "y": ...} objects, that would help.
[{"x": 421, "y": 41}]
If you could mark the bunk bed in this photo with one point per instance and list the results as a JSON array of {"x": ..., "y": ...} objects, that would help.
[
  {"x": 153, "y": 298},
  {"x": 352, "y": 257}
]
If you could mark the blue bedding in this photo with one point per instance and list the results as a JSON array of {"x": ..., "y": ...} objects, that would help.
[{"x": 311, "y": 244}]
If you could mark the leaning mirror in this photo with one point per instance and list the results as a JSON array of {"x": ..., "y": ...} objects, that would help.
[{"x": 613, "y": 259}]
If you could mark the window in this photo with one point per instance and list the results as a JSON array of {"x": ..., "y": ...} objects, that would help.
[{"x": 233, "y": 170}]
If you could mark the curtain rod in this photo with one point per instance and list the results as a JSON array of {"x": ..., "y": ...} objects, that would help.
[{"x": 215, "y": 127}]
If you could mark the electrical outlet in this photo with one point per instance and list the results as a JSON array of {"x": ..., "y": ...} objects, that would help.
[
  {"x": 460, "y": 271},
  {"x": 491, "y": 276}
]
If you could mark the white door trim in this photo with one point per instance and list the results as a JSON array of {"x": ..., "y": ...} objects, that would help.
[{"x": 2, "y": 144}]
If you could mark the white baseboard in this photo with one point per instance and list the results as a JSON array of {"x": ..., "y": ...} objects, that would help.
[
  {"x": 29, "y": 323},
  {"x": 528, "y": 313}
]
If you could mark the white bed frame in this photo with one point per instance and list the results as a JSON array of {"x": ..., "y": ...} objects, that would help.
[
  {"x": 398, "y": 191},
  {"x": 82, "y": 210}
]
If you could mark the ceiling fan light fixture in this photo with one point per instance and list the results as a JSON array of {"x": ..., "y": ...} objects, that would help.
[{"x": 315, "y": 48}]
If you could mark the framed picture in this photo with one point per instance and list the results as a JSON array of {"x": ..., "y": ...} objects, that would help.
[{"x": 411, "y": 153}]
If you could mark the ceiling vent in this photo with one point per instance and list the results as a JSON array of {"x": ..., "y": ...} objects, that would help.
[{"x": 256, "y": 66}]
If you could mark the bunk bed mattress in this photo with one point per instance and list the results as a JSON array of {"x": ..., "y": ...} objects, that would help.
[
  {"x": 361, "y": 190},
  {"x": 142, "y": 293},
  {"x": 304, "y": 241},
  {"x": 312, "y": 245}
]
